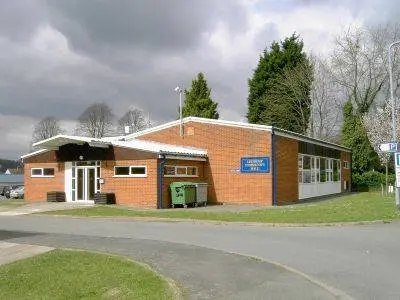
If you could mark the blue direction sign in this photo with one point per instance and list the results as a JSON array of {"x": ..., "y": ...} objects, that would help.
[
  {"x": 390, "y": 147},
  {"x": 254, "y": 164},
  {"x": 397, "y": 159}
]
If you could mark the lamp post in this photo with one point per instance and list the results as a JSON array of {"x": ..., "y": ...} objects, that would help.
[
  {"x": 394, "y": 129},
  {"x": 178, "y": 89}
]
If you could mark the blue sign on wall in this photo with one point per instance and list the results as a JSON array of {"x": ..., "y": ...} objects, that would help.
[{"x": 254, "y": 164}]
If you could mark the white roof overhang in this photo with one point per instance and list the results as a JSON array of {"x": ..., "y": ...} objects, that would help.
[
  {"x": 57, "y": 141},
  {"x": 54, "y": 143}
]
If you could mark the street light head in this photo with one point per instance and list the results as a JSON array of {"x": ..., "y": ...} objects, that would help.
[{"x": 177, "y": 89}]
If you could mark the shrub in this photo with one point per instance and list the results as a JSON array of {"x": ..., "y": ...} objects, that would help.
[{"x": 370, "y": 179}]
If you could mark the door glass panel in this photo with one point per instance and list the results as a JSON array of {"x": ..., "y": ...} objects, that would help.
[
  {"x": 91, "y": 181},
  {"x": 80, "y": 184}
]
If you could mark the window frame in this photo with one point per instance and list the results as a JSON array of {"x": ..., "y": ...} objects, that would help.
[
  {"x": 42, "y": 173},
  {"x": 130, "y": 175},
  {"x": 182, "y": 167},
  {"x": 346, "y": 164},
  {"x": 319, "y": 170}
]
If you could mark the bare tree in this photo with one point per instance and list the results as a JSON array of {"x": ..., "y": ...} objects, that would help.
[
  {"x": 96, "y": 121},
  {"x": 134, "y": 119},
  {"x": 46, "y": 128},
  {"x": 359, "y": 63},
  {"x": 379, "y": 130},
  {"x": 326, "y": 104}
]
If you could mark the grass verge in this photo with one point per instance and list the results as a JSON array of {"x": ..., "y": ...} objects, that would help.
[
  {"x": 351, "y": 208},
  {"x": 7, "y": 204},
  {"x": 67, "y": 274}
]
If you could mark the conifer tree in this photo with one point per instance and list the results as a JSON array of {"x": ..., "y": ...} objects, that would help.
[{"x": 198, "y": 102}]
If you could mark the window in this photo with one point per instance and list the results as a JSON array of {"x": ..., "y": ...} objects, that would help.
[
  {"x": 336, "y": 170},
  {"x": 180, "y": 171},
  {"x": 192, "y": 171},
  {"x": 121, "y": 171},
  {"x": 345, "y": 164},
  {"x": 168, "y": 170},
  {"x": 130, "y": 171},
  {"x": 313, "y": 169},
  {"x": 322, "y": 169},
  {"x": 329, "y": 169},
  {"x": 138, "y": 170},
  {"x": 48, "y": 172},
  {"x": 42, "y": 172}
]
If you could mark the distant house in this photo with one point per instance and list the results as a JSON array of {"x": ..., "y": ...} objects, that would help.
[{"x": 7, "y": 172}]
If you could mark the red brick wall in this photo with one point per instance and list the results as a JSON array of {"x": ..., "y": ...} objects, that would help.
[
  {"x": 287, "y": 170},
  {"x": 225, "y": 146},
  {"x": 36, "y": 188},
  {"x": 136, "y": 191},
  {"x": 346, "y": 173},
  {"x": 128, "y": 190}
]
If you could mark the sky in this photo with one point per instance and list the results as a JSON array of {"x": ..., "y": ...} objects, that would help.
[{"x": 58, "y": 57}]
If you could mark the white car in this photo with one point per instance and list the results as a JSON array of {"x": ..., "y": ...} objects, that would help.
[{"x": 17, "y": 193}]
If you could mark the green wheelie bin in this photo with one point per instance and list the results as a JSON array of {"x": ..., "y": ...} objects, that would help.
[{"x": 183, "y": 193}]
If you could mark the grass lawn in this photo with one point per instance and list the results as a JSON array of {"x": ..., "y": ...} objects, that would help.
[
  {"x": 7, "y": 204},
  {"x": 350, "y": 208},
  {"x": 63, "y": 274}
]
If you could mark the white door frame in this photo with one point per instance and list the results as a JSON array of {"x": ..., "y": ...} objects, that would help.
[{"x": 85, "y": 182}]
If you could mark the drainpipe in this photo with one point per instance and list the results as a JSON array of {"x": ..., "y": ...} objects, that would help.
[
  {"x": 274, "y": 168},
  {"x": 160, "y": 180}
]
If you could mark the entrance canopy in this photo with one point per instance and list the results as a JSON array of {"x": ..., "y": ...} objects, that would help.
[{"x": 54, "y": 143}]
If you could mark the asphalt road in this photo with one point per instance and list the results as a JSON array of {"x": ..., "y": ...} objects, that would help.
[{"x": 362, "y": 261}]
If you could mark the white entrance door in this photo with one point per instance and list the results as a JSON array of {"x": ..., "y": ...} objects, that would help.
[{"x": 85, "y": 183}]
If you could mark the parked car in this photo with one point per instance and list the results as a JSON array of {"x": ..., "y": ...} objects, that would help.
[
  {"x": 7, "y": 189},
  {"x": 17, "y": 193}
]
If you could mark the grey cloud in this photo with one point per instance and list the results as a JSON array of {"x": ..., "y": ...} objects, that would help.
[
  {"x": 125, "y": 53},
  {"x": 18, "y": 19},
  {"x": 159, "y": 25}
]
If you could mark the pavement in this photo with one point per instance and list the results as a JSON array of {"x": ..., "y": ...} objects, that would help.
[
  {"x": 37, "y": 207},
  {"x": 10, "y": 252}
]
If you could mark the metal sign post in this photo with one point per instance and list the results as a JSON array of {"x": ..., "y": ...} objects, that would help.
[
  {"x": 394, "y": 147},
  {"x": 397, "y": 160},
  {"x": 394, "y": 127}
]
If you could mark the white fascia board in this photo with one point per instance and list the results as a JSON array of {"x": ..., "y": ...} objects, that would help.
[
  {"x": 115, "y": 144},
  {"x": 150, "y": 130},
  {"x": 99, "y": 144},
  {"x": 180, "y": 157},
  {"x": 59, "y": 140},
  {"x": 34, "y": 153},
  {"x": 303, "y": 138},
  {"x": 65, "y": 137},
  {"x": 228, "y": 123}
]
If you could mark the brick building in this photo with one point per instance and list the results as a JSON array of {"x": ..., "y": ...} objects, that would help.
[{"x": 242, "y": 163}]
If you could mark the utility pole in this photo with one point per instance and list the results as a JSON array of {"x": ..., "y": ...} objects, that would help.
[
  {"x": 394, "y": 129},
  {"x": 179, "y": 90}
]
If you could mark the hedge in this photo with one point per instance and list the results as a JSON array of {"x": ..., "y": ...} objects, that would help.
[{"x": 371, "y": 179}]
